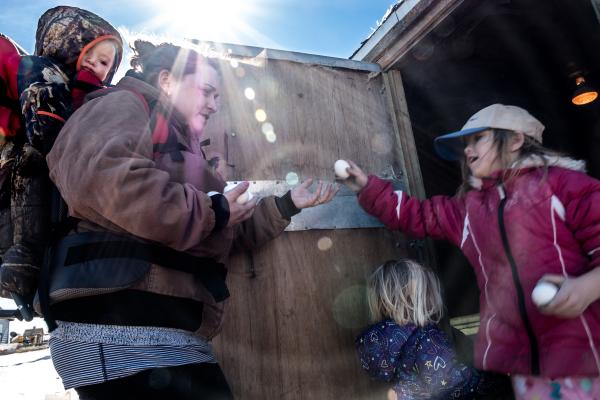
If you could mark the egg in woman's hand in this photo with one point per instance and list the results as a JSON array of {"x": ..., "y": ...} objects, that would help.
[
  {"x": 340, "y": 167},
  {"x": 242, "y": 198}
]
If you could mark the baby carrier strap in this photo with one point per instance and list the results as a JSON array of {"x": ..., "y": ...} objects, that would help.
[
  {"x": 106, "y": 260},
  {"x": 96, "y": 246},
  {"x": 164, "y": 140}
]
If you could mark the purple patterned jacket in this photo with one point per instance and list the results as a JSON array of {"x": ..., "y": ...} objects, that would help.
[{"x": 419, "y": 361}]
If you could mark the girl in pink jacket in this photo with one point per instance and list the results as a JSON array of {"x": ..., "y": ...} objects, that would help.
[{"x": 523, "y": 214}]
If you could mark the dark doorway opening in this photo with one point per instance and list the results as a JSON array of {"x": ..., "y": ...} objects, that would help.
[{"x": 519, "y": 52}]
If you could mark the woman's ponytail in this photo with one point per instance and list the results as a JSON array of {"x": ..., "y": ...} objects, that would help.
[{"x": 141, "y": 50}]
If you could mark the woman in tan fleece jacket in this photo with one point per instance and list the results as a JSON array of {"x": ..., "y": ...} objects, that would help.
[{"x": 138, "y": 288}]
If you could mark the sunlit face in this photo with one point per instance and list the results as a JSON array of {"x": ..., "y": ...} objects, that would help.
[
  {"x": 481, "y": 154},
  {"x": 100, "y": 59},
  {"x": 195, "y": 96}
]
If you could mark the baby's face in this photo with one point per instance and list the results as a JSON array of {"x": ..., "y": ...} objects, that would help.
[{"x": 99, "y": 59}]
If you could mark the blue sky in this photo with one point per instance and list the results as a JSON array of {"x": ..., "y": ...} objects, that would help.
[{"x": 326, "y": 27}]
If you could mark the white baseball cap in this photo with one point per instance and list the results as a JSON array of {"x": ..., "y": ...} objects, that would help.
[{"x": 496, "y": 116}]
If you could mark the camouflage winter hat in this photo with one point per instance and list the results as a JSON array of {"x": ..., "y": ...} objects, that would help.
[{"x": 64, "y": 32}]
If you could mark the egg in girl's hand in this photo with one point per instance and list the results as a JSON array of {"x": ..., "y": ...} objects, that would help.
[
  {"x": 242, "y": 198},
  {"x": 340, "y": 167},
  {"x": 543, "y": 293}
]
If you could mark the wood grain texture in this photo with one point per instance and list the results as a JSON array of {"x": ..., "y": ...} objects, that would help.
[
  {"x": 319, "y": 114},
  {"x": 289, "y": 331}
]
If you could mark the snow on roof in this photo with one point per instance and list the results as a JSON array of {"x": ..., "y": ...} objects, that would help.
[{"x": 391, "y": 9}]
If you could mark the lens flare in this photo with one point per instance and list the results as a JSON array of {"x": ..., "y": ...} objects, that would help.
[
  {"x": 350, "y": 309},
  {"x": 260, "y": 115},
  {"x": 271, "y": 137},
  {"x": 249, "y": 93},
  {"x": 381, "y": 144},
  {"x": 292, "y": 178},
  {"x": 267, "y": 127},
  {"x": 325, "y": 243}
]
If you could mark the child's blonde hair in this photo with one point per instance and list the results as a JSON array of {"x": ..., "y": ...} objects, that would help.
[
  {"x": 530, "y": 148},
  {"x": 406, "y": 292}
]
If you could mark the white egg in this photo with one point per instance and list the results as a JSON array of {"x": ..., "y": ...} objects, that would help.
[
  {"x": 340, "y": 169},
  {"x": 242, "y": 198},
  {"x": 543, "y": 293}
]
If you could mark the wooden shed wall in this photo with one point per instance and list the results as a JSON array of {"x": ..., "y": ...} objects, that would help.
[
  {"x": 319, "y": 114},
  {"x": 289, "y": 330}
]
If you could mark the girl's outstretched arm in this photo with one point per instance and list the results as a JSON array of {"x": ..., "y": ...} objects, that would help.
[{"x": 440, "y": 217}]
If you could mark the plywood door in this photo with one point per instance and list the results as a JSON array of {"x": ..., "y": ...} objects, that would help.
[{"x": 298, "y": 302}]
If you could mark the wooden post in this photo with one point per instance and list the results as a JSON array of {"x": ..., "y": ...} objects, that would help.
[{"x": 407, "y": 152}]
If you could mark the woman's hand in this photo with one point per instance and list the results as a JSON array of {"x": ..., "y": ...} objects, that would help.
[
  {"x": 574, "y": 295},
  {"x": 357, "y": 179},
  {"x": 239, "y": 212},
  {"x": 303, "y": 198}
]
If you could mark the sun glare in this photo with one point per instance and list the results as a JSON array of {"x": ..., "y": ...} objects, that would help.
[{"x": 211, "y": 20}]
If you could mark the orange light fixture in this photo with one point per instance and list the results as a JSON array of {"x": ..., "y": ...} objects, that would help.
[{"x": 584, "y": 93}]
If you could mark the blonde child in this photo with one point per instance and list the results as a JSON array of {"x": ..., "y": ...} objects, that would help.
[
  {"x": 94, "y": 64},
  {"x": 405, "y": 346},
  {"x": 522, "y": 214}
]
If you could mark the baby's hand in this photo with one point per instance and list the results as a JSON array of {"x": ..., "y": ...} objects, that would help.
[{"x": 357, "y": 179}]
